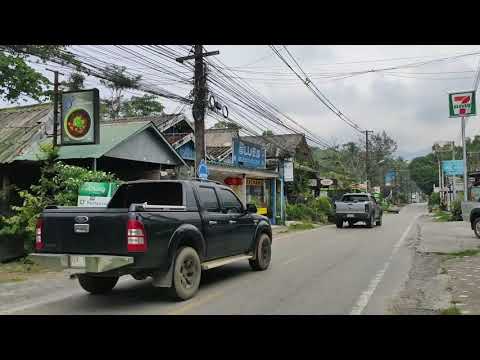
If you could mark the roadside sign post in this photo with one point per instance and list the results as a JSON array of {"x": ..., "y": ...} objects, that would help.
[{"x": 463, "y": 104}]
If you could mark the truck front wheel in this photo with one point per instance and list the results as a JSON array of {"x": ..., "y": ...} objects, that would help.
[
  {"x": 97, "y": 285},
  {"x": 476, "y": 227},
  {"x": 187, "y": 273}
]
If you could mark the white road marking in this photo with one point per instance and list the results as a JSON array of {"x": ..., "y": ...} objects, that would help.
[
  {"x": 291, "y": 260},
  {"x": 364, "y": 298}
]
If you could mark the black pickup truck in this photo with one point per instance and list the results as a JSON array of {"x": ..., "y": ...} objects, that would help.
[{"x": 167, "y": 230}]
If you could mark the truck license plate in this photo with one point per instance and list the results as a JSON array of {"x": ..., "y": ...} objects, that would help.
[
  {"x": 350, "y": 215},
  {"x": 77, "y": 261},
  {"x": 81, "y": 228}
]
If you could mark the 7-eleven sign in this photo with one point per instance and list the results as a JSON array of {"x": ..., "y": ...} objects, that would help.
[{"x": 462, "y": 104}]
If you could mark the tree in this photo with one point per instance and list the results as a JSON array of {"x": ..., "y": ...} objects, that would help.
[
  {"x": 75, "y": 82},
  {"x": 424, "y": 171},
  {"x": 19, "y": 80},
  {"x": 118, "y": 81},
  {"x": 225, "y": 125},
  {"x": 145, "y": 105}
]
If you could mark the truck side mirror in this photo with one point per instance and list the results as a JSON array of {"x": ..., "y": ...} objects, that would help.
[{"x": 251, "y": 208}]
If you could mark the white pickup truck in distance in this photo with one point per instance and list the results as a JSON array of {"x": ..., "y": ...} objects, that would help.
[{"x": 358, "y": 207}]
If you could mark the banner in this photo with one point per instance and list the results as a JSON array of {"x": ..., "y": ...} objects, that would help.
[{"x": 248, "y": 154}]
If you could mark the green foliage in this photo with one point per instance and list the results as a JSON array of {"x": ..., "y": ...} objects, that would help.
[
  {"x": 456, "y": 210},
  {"x": 58, "y": 184},
  {"x": 145, "y": 105},
  {"x": 301, "y": 226},
  {"x": 18, "y": 79},
  {"x": 434, "y": 199},
  {"x": 424, "y": 171},
  {"x": 317, "y": 209},
  {"x": 452, "y": 310},
  {"x": 75, "y": 82},
  {"x": 225, "y": 125},
  {"x": 119, "y": 80}
]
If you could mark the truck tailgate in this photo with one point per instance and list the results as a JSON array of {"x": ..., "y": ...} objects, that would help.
[
  {"x": 106, "y": 231},
  {"x": 350, "y": 207}
]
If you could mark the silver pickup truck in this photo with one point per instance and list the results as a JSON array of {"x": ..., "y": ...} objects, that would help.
[{"x": 356, "y": 207}]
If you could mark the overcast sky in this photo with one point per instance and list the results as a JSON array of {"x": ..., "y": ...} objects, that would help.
[{"x": 410, "y": 103}]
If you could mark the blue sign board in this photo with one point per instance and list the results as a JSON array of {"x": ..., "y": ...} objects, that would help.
[
  {"x": 390, "y": 177},
  {"x": 248, "y": 154},
  {"x": 452, "y": 167},
  {"x": 203, "y": 170}
]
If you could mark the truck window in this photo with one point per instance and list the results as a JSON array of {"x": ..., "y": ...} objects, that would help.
[
  {"x": 230, "y": 202},
  {"x": 167, "y": 193},
  {"x": 208, "y": 198},
  {"x": 355, "y": 198}
]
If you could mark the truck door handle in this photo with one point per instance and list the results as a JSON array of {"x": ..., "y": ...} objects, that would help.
[
  {"x": 211, "y": 222},
  {"x": 232, "y": 222}
]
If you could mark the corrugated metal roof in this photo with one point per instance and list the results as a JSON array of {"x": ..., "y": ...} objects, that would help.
[
  {"x": 20, "y": 126},
  {"x": 111, "y": 135}
]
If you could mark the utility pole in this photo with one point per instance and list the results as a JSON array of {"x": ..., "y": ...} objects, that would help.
[
  {"x": 367, "y": 167},
  {"x": 200, "y": 100},
  {"x": 55, "y": 105}
]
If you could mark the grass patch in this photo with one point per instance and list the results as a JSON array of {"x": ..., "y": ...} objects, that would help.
[
  {"x": 23, "y": 266},
  {"x": 452, "y": 310},
  {"x": 301, "y": 226},
  {"x": 441, "y": 216},
  {"x": 469, "y": 252}
]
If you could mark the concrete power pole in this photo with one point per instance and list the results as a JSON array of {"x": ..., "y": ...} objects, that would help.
[
  {"x": 200, "y": 100},
  {"x": 367, "y": 167},
  {"x": 55, "y": 105}
]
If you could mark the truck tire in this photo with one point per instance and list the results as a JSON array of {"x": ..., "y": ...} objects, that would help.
[
  {"x": 476, "y": 227},
  {"x": 187, "y": 272},
  {"x": 264, "y": 253},
  {"x": 96, "y": 284},
  {"x": 379, "y": 222},
  {"x": 371, "y": 221},
  {"x": 339, "y": 223}
]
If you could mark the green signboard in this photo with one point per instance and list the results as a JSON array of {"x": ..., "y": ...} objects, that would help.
[
  {"x": 96, "y": 194},
  {"x": 462, "y": 104}
]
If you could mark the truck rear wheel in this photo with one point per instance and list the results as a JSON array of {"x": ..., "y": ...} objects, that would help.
[
  {"x": 371, "y": 221},
  {"x": 97, "y": 285},
  {"x": 339, "y": 224},
  {"x": 187, "y": 273},
  {"x": 264, "y": 253},
  {"x": 476, "y": 227}
]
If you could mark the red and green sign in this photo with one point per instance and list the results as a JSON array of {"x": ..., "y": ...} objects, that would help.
[{"x": 462, "y": 104}]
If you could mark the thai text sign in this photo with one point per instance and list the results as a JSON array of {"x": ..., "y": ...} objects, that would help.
[
  {"x": 452, "y": 167},
  {"x": 462, "y": 104},
  {"x": 96, "y": 194},
  {"x": 248, "y": 154}
]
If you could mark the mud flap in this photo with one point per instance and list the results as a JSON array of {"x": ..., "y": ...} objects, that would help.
[{"x": 163, "y": 279}]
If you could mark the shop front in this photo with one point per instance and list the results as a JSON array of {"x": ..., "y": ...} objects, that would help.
[{"x": 252, "y": 186}]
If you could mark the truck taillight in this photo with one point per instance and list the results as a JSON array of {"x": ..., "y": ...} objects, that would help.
[
  {"x": 136, "y": 236},
  {"x": 38, "y": 235}
]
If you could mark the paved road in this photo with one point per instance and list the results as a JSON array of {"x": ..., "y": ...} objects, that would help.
[{"x": 322, "y": 271}]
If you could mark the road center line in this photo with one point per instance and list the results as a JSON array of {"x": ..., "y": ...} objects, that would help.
[{"x": 364, "y": 298}]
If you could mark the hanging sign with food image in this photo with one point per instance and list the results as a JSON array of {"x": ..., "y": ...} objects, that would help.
[{"x": 80, "y": 122}]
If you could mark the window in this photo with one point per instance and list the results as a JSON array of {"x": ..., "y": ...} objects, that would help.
[
  {"x": 230, "y": 202},
  {"x": 355, "y": 198},
  {"x": 161, "y": 193},
  {"x": 208, "y": 199}
]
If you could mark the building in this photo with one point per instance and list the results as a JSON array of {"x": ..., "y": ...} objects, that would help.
[{"x": 130, "y": 149}]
